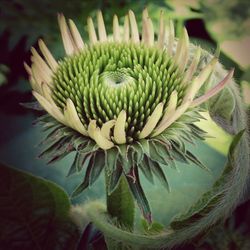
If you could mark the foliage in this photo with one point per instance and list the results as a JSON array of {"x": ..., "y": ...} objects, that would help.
[
  {"x": 4, "y": 70},
  {"x": 34, "y": 213}
]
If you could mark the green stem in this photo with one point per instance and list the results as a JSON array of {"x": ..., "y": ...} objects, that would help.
[{"x": 120, "y": 207}]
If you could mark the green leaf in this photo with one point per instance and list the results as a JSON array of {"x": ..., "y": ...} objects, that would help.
[
  {"x": 154, "y": 155},
  {"x": 113, "y": 179},
  {"x": 57, "y": 150},
  {"x": 34, "y": 213},
  {"x": 163, "y": 152},
  {"x": 139, "y": 196},
  {"x": 85, "y": 184},
  {"x": 123, "y": 158},
  {"x": 120, "y": 203},
  {"x": 98, "y": 167},
  {"x": 111, "y": 159},
  {"x": 156, "y": 169},
  {"x": 89, "y": 148},
  {"x": 78, "y": 164},
  {"x": 145, "y": 146},
  {"x": 146, "y": 170},
  {"x": 195, "y": 160},
  {"x": 138, "y": 153},
  {"x": 177, "y": 153}
]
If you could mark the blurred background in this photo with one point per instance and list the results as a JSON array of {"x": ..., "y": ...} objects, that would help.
[{"x": 209, "y": 23}]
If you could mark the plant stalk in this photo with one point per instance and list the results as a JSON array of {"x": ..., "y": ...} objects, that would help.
[{"x": 120, "y": 207}]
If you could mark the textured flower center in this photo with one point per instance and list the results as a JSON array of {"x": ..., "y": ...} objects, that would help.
[{"x": 104, "y": 79}]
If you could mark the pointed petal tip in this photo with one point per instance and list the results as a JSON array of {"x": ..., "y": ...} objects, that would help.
[
  {"x": 215, "y": 90},
  {"x": 152, "y": 121},
  {"x": 119, "y": 129}
]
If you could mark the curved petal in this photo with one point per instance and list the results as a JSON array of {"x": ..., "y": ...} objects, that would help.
[
  {"x": 101, "y": 140},
  {"x": 147, "y": 29},
  {"x": 134, "y": 28},
  {"x": 119, "y": 130},
  {"x": 91, "y": 128},
  {"x": 101, "y": 27},
  {"x": 47, "y": 55},
  {"x": 152, "y": 121},
  {"x": 192, "y": 68},
  {"x": 181, "y": 56},
  {"x": 76, "y": 35},
  {"x": 162, "y": 31},
  {"x": 199, "y": 80},
  {"x": 72, "y": 118},
  {"x": 168, "y": 113},
  {"x": 126, "y": 34},
  {"x": 66, "y": 35},
  {"x": 52, "y": 109},
  {"x": 91, "y": 31},
  {"x": 215, "y": 90},
  {"x": 106, "y": 128},
  {"x": 116, "y": 29}
]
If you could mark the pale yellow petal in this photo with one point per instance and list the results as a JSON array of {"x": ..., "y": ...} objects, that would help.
[
  {"x": 51, "y": 108},
  {"x": 40, "y": 62},
  {"x": 47, "y": 93},
  {"x": 36, "y": 74},
  {"x": 106, "y": 128},
  {"x": 92, "y": 128},
  {"x": 144, "y": 24},
  {"x": 193, "y": 66},
  {"x": 170, "y": 37},
  {"x": 91, "y": 31},
  {"x": 147, "y": 29},
  {"x": 37, "y": 88},
  {"x": 119, "y": 129},
  {"x": 176, "y": 115},
  {"x": 198, "y": 81},
  {"x": 67, "y": 39},
  {"x": 181, "y": 56},
  {"x": 213, "y": 91},
  {"x": 162, "y": 31},
  {"x": 152, "y": 121},
  {"x": 76, "y": 35},
  {"x": 134, "y": 29},
  {"x": 101, "y": 140},
  {"x": 101, "y": 27},
  {"x": 47, "y": 55},
  {"x": 27, "y": 68},
  {"x": 126, "y": 35},
  {"x": 116, "y": 29},
  {"x": 45, "y": 73},
  {"x": 172, "y": 104},
  {"x": 72, "y": 118}
]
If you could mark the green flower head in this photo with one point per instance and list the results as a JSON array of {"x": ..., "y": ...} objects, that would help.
[{"x": 124, "y": 102}]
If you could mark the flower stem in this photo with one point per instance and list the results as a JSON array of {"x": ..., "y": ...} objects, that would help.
[{"x": 120, "y": 207}]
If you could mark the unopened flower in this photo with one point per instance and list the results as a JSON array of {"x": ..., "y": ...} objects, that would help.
[{"x": 124, "y": 102}]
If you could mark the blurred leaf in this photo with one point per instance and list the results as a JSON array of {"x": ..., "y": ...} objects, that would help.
[
  {"x": 4, "y": 70},
  {"x": 183, "y": 10},
  {"x": 34, "y": 213},
  {"x": 226, "y": 20}
]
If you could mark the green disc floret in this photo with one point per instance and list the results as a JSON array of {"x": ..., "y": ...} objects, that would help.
[{"x": 106, "y": 78}]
